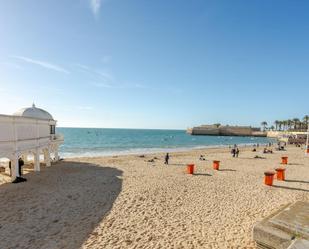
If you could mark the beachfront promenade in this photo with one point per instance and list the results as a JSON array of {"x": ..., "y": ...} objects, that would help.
[{"x": 128, "y": 202}]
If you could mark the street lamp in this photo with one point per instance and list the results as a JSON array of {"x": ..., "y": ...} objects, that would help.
[{"x": 307, "y": 148}]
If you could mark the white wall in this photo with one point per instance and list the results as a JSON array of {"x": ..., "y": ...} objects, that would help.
[{"x": 21, "y": 133}]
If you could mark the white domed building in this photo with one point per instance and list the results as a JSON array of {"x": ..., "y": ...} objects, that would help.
[
  {"x": 33, "y": 112},
  {"x": 29, "y": 131}
]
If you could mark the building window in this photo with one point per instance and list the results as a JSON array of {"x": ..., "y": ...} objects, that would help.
[{"x": 52, "y": 129}]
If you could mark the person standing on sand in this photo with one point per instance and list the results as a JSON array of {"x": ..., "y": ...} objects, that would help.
[
  {"x": 20, "y": 164},
  {"x": 167, "y": 157},
  {"x": 233, "y": 151}
]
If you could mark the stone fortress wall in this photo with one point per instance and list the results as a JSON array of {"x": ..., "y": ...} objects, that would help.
[{"x": 225, "y": 130}]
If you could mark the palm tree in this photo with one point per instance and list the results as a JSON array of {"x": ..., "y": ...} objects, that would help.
[
  {"x": 264, "y": 124},
  {"x": 280, "y": 125},
  {"x": 276, "y": 124},
  {"x": 285, "y": 124},
  {"x": 301, "y": 125},
  {"x": 306, "y": 121},
  {"x": 290, "y": 123},
  {"x": 296, "y": 123}
]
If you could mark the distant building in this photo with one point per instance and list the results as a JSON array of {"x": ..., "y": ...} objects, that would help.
[
  {"x": 29, "y": 131},
  {"x": 226, "y": 130}
]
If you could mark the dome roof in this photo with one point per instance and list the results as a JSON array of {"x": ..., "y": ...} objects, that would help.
[{"x": 33, "y": 112}]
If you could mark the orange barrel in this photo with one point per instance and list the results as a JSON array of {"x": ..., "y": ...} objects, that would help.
[
  {"x": 280, "y": 174},
  {"x": 284, "y": 160},
  {"x": 190, "y": 169},
  {"x": 307, "y": 150},
  {"x": 216, "y": 164},
  {"x": 269, "y": 178}
]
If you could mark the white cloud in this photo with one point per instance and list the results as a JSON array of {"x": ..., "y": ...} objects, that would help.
[
  {"x": 105, "y": 75},
  {"x": 101, "y": 74},
  {"x": 81, "y": 66},
  {"x": 104, "y": 79},
  {"x": 95, "y": 6},
  {"x": 44, "y": 64}
]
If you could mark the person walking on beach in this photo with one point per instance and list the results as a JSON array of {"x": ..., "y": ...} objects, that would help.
[
  {"x": 236, "y": 151},
  {"x": 233, "y": 152},
  {"x": 167, "y": 157}
]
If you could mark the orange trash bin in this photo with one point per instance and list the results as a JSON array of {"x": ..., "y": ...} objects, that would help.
[
  {"x": 269, "y": 178},
  {"x": 216, "y": 164},
  {"x": 280, "y": 174},
  {"x": 307, "y": 150},
  {"x": 190, "y": 169},
  {"x": 284, "y": 160}
]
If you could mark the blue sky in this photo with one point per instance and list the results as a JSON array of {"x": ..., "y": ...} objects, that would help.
[{"x": 155, "y": 64}]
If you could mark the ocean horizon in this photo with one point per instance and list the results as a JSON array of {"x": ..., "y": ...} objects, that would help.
[{"x": 91, "y": 142}]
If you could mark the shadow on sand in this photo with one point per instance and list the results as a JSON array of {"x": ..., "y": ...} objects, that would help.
[
  {"x": 176, "y": 164},
  {"x": 252, "y": 158},
  {"x": 201, "y": 174},
  {"x": 227, "y": 170},
  {"x": 58, "y": 207},
  {"x": 290, "y": 188},
  {"x": 291, "y": 180}
]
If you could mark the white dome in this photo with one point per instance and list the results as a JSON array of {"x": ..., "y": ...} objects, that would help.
[{"x": 33, "y": 112}]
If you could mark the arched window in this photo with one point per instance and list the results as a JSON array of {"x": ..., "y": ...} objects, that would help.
[{"x": 52, "y": 129}]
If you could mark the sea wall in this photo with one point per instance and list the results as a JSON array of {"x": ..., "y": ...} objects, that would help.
[
  {"x": 235, "y": 131},
  {"x": 225, "y": 131},
  {"x": 204, "y": 131},
  {"x": 276, "y": 134}
]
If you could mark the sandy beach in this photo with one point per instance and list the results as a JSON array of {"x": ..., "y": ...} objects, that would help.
[{"x": 128, "y": 202}]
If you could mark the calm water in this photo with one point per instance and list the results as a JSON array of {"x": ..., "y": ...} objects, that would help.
[{"x": 100, "y": 142}]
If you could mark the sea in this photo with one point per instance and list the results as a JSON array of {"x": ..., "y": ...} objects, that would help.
[{"x": 84, "y": 142}]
